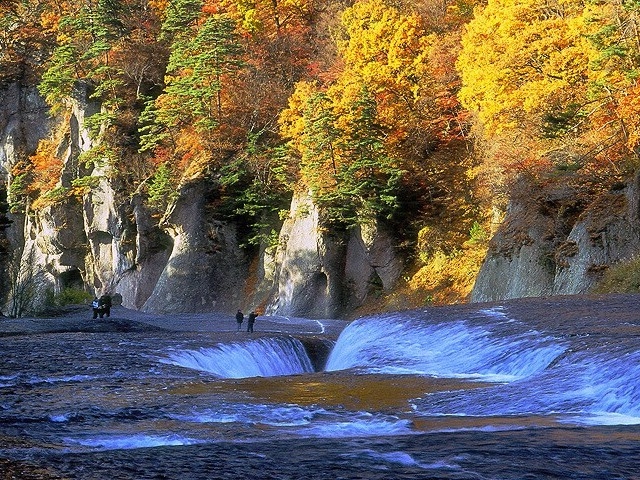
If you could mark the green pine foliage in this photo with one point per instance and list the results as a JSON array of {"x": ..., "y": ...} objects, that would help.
[
  {"x": 365, "y": 179},
  {"x": 161, "y": 191},
  {"x": 257, "y": 188},
  {"x": 194, "y": 81}
]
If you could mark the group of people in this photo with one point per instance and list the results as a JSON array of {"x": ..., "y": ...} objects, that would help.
[
  {"x": 101, "y": 306},
  {"x": 251, "y": 319}
]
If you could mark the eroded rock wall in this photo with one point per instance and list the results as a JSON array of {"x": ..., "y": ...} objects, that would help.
[
  {"x": 206, "y": 269},
  {"x": 108, "y": 240},
  {"x": 24, "y": 121},
  {"x": 321, "y": 274},
  {"x": 557, "y": 244}
]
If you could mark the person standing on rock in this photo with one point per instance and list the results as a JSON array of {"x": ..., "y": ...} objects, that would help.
[
  {"x": 95, "y": 305},
  {"x": 239, "y": 319},
  {"x": 250, "y": 321},
  {"x": 104, "y": 306}
]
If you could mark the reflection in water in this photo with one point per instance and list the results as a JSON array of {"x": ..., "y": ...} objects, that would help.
[{"x": 486, "y": 395}]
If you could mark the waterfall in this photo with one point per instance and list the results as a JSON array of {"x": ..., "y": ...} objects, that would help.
[
  {"x": 596, "y": 386},
  {"x": 535, "y": 372},
  {"x": 397, "y": 344},
  {"x": 266, "y": 357}
]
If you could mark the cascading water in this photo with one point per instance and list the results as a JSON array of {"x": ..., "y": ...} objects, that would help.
[
  {"x": 499, "y": 392},
  {"x": 396, "y": 344},
  {"x": 539, "y": 374},
  {"x": 587, "y": 386},
  {"x": 266, "y": 357}
]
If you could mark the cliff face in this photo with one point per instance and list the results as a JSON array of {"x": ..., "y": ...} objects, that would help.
[
  {"x": 556, "y": 244},
  {"x": 108, "y": 241},
  {"x": 318, "y": 274}
]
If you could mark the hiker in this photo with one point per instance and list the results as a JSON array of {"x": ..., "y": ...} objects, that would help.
[
  {"x": 95, "y": 305},
  {"x": 250, "y": 321},
  {"x": 104, "y": 306},
  {"x": 239, "y": 319}
]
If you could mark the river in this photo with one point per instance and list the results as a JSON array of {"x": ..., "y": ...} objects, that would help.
[{"x": 517, "y": 390}]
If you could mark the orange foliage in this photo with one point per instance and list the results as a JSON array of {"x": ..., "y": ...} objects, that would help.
[
  {"x": 47, "y": 167},
  {"x": 628, "y": 109},
  {"x": 448, "y": 279}
]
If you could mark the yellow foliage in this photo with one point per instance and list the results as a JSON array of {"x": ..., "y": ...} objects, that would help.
[
  {"x": 520, "y": 57},
  {"x": 159, "y": 6},
  {"x": 46, "y": 166},
  {"x": 291, "y": 119},
  {"x": 387, "y": 51},
  {"x": 446, "y": 279},
  {"x": 267, "y": 16},
  {"x": 629, "y": 109}
]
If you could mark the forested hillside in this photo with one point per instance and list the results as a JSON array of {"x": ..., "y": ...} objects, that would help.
[{"x": 424, "y": 115}]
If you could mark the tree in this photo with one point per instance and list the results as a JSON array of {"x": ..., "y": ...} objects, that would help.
[
  {"x": 343, "y": 159},
  {"x": 23, "y": 283},
  {"x": 86, "y": 42},
  {"x": 520, "y": 58},
  {"x": 272, "y": 17},
  {"x": 385, "y": 51},
  {"x": 196, "y": 73},
  {"x": 26, "y": 36},
  {"x": 370, "y": 178},
  {"x": 319, "y": 162}
]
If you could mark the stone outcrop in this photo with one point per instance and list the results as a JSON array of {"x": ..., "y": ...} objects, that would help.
[
  {"x": 556, "y": 244},
  {"x": 24, "y": 120},
  {"x": 109, "y": 241},
  {"x": 308, "y": 265},
  {"x": 372, "y": 263},
  {"x": 319, "y": 274},
  {"x": 206, "y": 269}
]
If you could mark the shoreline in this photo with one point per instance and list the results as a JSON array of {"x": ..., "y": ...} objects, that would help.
[
  {"x": 567, "y": 314},
  {"x": 78, "y": 319}
]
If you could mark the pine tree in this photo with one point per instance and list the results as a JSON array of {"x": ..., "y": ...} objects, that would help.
[{"x": 368, "y": 178}]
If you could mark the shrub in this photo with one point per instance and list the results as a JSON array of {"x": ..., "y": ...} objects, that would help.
[
  {"x": 623, "y": 277},
  {"x": 71, "y": 296}
]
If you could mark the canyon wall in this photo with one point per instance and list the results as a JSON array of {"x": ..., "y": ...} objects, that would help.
[
  {"x": 108, "y": 241},
  {"x": 556, "y": 243}
]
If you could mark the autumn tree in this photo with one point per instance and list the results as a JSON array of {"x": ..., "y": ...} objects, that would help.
[
  {"x": 384, "y": 107},
  {"x": 369, "y": 180},
  {"x": 26, "y": 37},
  {"x": 202, "y": 58},
  {"x": 559, "y": 72},
  {"x": 520, "y": 58},
  {"x": 86, "y": 40}
]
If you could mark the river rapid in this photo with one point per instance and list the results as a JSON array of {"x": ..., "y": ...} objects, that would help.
[{"x": 539, "y": 388}]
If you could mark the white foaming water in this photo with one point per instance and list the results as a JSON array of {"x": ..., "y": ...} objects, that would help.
[
  {"x": 128, "y": 442},
  {"x": 605, "y": 419},
  {"x": 361, "y": 425},
  {"x": 399, "y": 345},
  {"x": 59, "y": 418},
  {"x": 266, "y": 357},
  {"x": 404, "y": 459},
  {"x": 301, "y": 421},
  {"x": 607, "y": 387},
  {"x": 279, "y": 416},
  {"x": 594, "y": 387}
]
